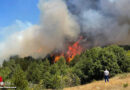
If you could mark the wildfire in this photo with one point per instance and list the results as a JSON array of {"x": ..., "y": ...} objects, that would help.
[
  {"x": 58, "y": 57},
  {"x": 72, "y": 51},
  {"x": 69, "y": 54}
]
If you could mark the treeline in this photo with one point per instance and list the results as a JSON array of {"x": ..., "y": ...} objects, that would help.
[{"x": 27, "y": 73}]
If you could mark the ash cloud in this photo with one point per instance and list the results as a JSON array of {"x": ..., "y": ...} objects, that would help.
[{"x": 100, "y": 21}]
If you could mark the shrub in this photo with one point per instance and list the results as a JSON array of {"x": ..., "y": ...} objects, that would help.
[{"x": 125, "y": 85}]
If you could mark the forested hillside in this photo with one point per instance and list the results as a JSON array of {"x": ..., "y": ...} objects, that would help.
[{"x": 26, "y": 73}]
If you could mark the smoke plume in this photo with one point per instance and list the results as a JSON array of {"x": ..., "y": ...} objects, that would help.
[
  {"x": 100, "y": 21},
  {"x": 103, "y": 21}
]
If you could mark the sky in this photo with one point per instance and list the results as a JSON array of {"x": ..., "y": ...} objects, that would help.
[
  {"x": 17, "y": 15},
  {"x": 27, "y": 26}
]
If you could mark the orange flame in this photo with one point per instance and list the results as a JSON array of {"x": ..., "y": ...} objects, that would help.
[
  {"x": 73, "y": 51},
  {"x": 57, "y": 58}
]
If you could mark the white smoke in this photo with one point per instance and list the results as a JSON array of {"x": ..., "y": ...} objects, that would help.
[
  {"x": 56, "y": 25},
  {"x": 102, "y": 21}
]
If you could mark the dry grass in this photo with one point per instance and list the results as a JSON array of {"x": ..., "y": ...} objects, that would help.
[{"x": 120, "y": 82}]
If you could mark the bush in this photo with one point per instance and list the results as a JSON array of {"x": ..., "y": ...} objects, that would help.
[
  {"x": 19, "y": 79},
  {"x": 125, "y": 85}
]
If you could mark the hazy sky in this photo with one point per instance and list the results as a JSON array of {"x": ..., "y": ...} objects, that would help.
[{"x": 17, "y": 15}]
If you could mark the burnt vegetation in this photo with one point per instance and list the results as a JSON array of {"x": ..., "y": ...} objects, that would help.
[{"x": 88, "y": 66}]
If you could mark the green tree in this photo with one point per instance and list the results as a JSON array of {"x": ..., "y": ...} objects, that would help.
[
  {"x": 5, "y": 72},
  {"x": 109, "y": 61},
  {"x": 122, "y": 59},
  {"x": 19, "y": 79},
  {"x": 34, "y": 72}
]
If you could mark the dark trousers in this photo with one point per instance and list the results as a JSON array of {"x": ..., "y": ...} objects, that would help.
[{"x": 106, "y": 78}]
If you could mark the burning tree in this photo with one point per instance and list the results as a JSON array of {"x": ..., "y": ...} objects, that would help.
[{"x": 72, "y": 50}]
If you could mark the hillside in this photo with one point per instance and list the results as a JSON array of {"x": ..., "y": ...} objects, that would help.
[
  {"x": 39, "y": 74},
  {"x": 119, "y": 82}
]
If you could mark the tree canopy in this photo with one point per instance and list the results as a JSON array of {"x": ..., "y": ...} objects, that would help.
[{"x": 84, "y": 68}]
